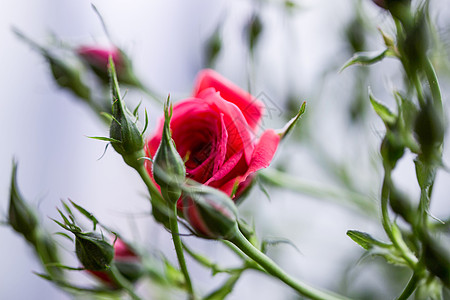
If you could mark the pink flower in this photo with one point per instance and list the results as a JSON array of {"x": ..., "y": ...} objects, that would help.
[{"x": 216, "y": 132}]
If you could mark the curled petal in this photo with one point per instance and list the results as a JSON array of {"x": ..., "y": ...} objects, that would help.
[{"x": 250, "y": 106}]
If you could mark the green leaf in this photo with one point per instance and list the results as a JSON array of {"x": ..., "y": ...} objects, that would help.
[
  {"x": 389, "y": 118},
  {"x": 365, "y": 58},
  {"x": 365, "y": 240}
]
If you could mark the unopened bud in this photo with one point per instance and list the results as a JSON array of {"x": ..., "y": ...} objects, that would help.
[
  {"x": 126, "y": 138},
  {"x": 68, "y": 76},
  {"x": 93, "y": 251},
  {"x": 210, "y": 212},
  {"x": 429, "y": 128},
  {"x": 253, "y": 31},
  {"x": 168, "y": 166},
  {"x": 22, "y": 216},
  {"x": 127, "y": 262},
  {"x": 392, "y": 148}
]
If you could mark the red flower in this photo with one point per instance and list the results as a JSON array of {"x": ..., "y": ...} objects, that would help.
[{"x": 215, "y": 131}]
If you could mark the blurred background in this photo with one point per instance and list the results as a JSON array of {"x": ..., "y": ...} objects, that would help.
[{"x": 284, "y": 52}]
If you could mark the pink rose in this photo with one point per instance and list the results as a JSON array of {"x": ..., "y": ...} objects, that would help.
[
  {"x": 215, "y": 131},
  {"x": 126, "y": 260}
]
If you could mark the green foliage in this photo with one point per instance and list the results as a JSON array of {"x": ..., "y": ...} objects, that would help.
[{"x": 366, "y": 58}]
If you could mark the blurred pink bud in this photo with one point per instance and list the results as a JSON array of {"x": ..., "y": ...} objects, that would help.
[
  {"x": 380, "y": 3},
  {"x": 97, "y": 58}
]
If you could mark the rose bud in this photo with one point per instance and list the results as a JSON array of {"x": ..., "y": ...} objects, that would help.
[
  {"x": 125, "y": 136},
  {"x": 429, "y": 128},
  {"x": 93, "y": 251},
  {"x": 127, "y": 262},
  {"x": 97, "y": 58},
  {"x": 380, "y": 3},
  {"x": 210, "y": 212},
  {"x": 215, "y": 133},
  {"x": 168, "y": 167},
  {"x": 66, "y": 75},
  {"x": 22, "y": 216}
]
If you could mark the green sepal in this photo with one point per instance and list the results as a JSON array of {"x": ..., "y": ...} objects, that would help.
[
  {"x": 377, "y": 248},
  {"x": 291, "y": 124},
  {"x": 365, "y": 240},
  {"x": 425, "y": 173},
  {"x": 105, "y": 139},
  {"x": 87, "y": 214},
  {"x": 387, "y": 116}
]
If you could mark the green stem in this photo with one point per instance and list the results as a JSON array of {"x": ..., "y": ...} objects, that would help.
[
  {"x": 173, "y": 223},
  {"x": 122, "y": 282},
  {"x": 204, "y": 261},
  {"x": 273, "y": 269},
  {"x": 179, "y": 250},
  {"x": 394, "y": 235},
  {"x": 410, "y": 287}
]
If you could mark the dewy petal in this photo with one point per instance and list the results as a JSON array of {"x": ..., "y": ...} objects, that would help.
[{"x": 251, "y": 107}]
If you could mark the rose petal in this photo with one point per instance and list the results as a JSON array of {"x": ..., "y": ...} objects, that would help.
[
  {"x": 250, "y": 106},
  {"x": 240, "y": 135},
  {"x": 261, "y": 158},
  {"x": 264, "y": 151},
  {"x": 226, "y": 169}
]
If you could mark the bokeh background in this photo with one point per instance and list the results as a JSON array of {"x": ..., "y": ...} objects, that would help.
[{"x": 296, "y": 58}]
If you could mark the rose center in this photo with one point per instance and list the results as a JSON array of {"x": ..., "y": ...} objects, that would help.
[{"x": 198, "y": 154}]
